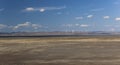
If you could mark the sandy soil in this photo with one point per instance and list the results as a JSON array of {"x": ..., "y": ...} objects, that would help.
[{"x": 60, "y": 51}]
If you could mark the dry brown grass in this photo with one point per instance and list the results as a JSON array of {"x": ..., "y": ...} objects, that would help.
[
  {"x": 58, "y": 39},
  {"x": 60, "y": 51}
]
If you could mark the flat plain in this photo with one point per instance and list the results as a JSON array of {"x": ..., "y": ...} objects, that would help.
[{"x": 81, "y": 50}]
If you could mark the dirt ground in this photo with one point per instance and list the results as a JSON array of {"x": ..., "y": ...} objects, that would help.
[{"x": 60, "y": 51}]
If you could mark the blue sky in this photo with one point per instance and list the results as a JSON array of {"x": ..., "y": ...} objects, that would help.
[{"x": 59, "y": 15}]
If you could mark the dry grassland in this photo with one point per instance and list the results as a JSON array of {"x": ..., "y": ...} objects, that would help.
[{"x": 103, "y": 50}]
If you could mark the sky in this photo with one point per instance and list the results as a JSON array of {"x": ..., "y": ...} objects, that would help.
[{"x": 59, "y": 15}]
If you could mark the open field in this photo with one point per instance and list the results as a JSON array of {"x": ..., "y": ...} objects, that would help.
[{"x": 84, "y": 50}]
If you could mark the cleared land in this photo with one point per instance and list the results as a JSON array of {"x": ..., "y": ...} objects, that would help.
[{"x": 83, "y": 50}]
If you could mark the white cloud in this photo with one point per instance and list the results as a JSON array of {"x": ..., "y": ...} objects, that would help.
[
  {"x": 84, "y": 25},
  {"x": 117, "y": 19},
  {"x": 97, "y": 9},
  {"x": 27, "y": 25},
  {"x": 29, "y": 9},
  {"x": 1, "y": 9},
  {"x": 75, "y": 25},
  {"x": 54, "y": 8},
  {"x": 89, "y": 16},
  {"x": 112, "y": 29},
  {"x": 68, "y": 25},
  {"x": 2, "y": 26},
  {"x": 36, "y": 26},
  {"x": 78, "y": 18},
  {"x": 106, "y": 17},
  {"x": 43, "y": 9}
]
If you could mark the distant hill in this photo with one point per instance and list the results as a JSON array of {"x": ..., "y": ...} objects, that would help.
[{"x": 57, "y": 33}]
